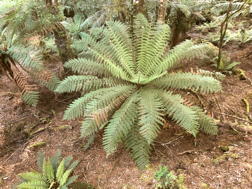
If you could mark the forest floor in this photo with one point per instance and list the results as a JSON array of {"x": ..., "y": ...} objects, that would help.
[{"x": 216, "y": 162}]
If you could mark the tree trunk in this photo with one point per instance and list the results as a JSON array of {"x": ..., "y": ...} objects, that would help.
[
  {"x": 140, "y": 7},
  {"x": 161, "y": 14},
  {"x": 64, "y": 45}
]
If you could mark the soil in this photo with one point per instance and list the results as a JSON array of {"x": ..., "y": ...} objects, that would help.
[{"x": 217, "y": 162}]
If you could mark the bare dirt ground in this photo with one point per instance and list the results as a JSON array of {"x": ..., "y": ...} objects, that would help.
[{"x": 216, "y": 162}]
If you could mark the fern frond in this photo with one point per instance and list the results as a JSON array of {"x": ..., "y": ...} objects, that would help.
[
  {"x": 156, "y": 49},
  {"x": 64, "y": 177},
  {"x": 105, "y": 99},
  {"x": 40, "y": 159},
  {"x": 186, "y": 50},
  {"x": 216, "y": 75},
  {"x": 67, "y": 161},
  {"x": 73, "y": 165},
  {"x": 181, "y": 114},
  {"x": 33, "y": 185},
  {"x": 224, "y": 6},
  {"x": 142, "y": 35},
  {"x": 71, "y": 180},
  {"x": 55, "y": 159},
  {"x": 206, "y": 123},
  {"x": 173, "y": 57},
  {"x": 60, "y": 170},
  {"x": 99, "y": 118},
  {"x": 151, "y": 115},
  {"x": 77, "y": 83},
  {"x": 87, "y": 66},
  {"x": 28, "y": 58},
  {"x": 30, "y": 94},
  {"x": 30, "y": 97},
  {"x": 199, "y": 83},
  {"x": 139, "y": 147},
  {"x": 120, "y": 42},
  {"x": 48, "y": 171},
  {"x": 76, "y": 109},
  {"x": 120, "y": 124},
  {"x": 30, "y": 176}
]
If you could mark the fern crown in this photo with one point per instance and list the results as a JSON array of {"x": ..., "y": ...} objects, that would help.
[{"x": 128, "y": 86}]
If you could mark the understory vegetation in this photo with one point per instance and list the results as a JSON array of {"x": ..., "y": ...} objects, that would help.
[{"x": 124, "y": 69}]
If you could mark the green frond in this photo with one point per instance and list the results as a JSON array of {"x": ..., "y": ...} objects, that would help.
[
  {"x": 198, "y": 51},
  {"x": 30, "y": 97},
  {"x": 156, "y": 48},
  {"x": 91, "y": 125},
  {"x": 52, "y": 83},
  {"x": 139, "y": 147},
  {"x": 151, "y": 114},
  {"x": 40, "y": 159},
  {"x": 113, "y": 67},
  {"x": 85, "y": 41},
  {"x": 120, "y": 124},
  {"x": 206, "y": 123},
  {"x": 78, "y": 107},
  {"x": 216, "y": 75},
  {"x": 120, "y": 44},
  {"x": 30, "y": 176},
  {"x": 199, "y": 83},
  {"x": 73, "y": 165},
  {"x": 98, "y": 118},
  {"x": 224, "y": 6},
  {"x": 55, "y": 159},
  {"x": 143, "y": 33},
  {"x": 67, "y": 161},
  {"x": 71, "y": 180},
  {"x": 87, "y": 66},
  {"x": 65, "y": 177},
  {"x": 27, "y": 57},
  {"x": 33, "y": 185},
  {"x": 173, "y": 57},
  {"x": 141, "y": 27},
  {"x": 84, "y": 83},
  {"x": 186, "y": 50},
  {"x": 48, "y": 171},
  {"x": 181, "y": 114},
  {"x": 60, "y": 170},
  {"x": 112, "y": 94}
]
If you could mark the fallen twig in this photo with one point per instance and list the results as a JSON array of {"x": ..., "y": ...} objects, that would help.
[
  {"x": 239, "y": 118},
  {"x": 237, "y": 128},
  {"x": 186, "y": 152},
  {"x": 171, "y": 141}
]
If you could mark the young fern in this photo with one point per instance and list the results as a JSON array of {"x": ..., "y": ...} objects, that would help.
[
  {"x": 54, "y": 173},
  {"x": 128, "y": 87}
]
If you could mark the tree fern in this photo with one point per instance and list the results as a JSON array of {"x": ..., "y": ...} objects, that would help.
[
  {"x": 128, "y": 82},
  {"x": 55, "y": 173}
]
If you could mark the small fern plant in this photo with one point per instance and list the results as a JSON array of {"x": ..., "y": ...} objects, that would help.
[
  {"x": 165, "y": 178},
  {"x": 128, "y": 87},
  {"x": 55, "y": 173}
]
